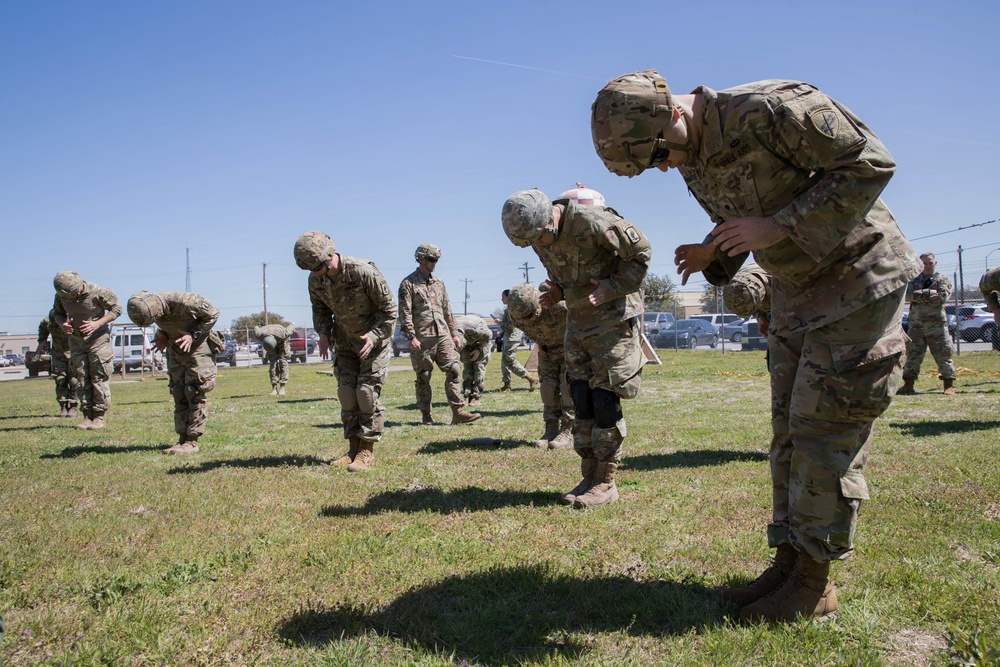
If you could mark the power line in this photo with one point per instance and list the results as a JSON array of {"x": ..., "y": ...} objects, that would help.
[{"x": 950, "y": 231}]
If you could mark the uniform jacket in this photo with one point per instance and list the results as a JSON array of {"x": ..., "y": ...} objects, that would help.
[
  {"x": 548, "y": 329},
  {"x": 424, "y": 309},
  {"x": 596, "y": 243},
  {"x": 476, "y": 334},
  {"x": 989, "y": 285},
  {"x": 356, "y": 302},
  {"x": 281, "y": 335},
  {"x": 784, "y": 149},
  {"x": 91, "y": 305},
  {"x": 60, "y": 339},
  {"x": 186, "y": 312},
  {"x": 927, "y": 296}
]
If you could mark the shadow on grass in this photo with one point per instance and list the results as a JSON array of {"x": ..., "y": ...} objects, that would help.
[
  {"x": 468, "y": 499},
  {"x": 470, "y": 443},
  {"x": 73, "y": 452},
  {"x": 166, "y": 398},
  {"x": 307, "y": 400},
  {"x": 238, "y": 396},
  {"x": 68, "y": 423},
  {"x": 932, "y": 428},
  {"x": 289, "y": 461},
  {"x": 27, "y": 416},
  {"x": 514, "y": 615},
  {"x": 689, "y": 459}
]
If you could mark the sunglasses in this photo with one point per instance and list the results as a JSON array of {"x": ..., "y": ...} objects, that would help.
[{"x": 659, "y": 155}]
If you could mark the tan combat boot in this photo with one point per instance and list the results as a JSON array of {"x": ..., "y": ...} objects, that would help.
[
  {"x": 71, "y": 412},
  {"x": 588, "y": 466},
  {"x": 352, "y": 451},
  {"x": 460, "y": 416},
  {"x": 365, "y": 458},
  {"x": 551, "y": 431},
  {"x": 603, "y": 491},
  {"x": 63, "y": 410},
  {"x": 907, "y": 388},
  {"x": 188, "y": 445},
  {"x": 97, "y": 421},
  {"x": 769, "y": 581},
  {"x": 281, "y": 389},
  {"x": 949, "y": 386},
  {"x": 505, "y": 387},
  {"x": 808, "y": 592},
  {"x": 533, "y": 382},
  {"x": 474, "y": 401},
  {"x": 274, "y": 389},
  {"x": 564, "y": 439},
  {"x": 85, "y": 424},
  {"x": 426, "y": 417}
]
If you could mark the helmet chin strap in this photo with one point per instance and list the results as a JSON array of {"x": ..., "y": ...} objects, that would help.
[{"x": 687, "y": 146}]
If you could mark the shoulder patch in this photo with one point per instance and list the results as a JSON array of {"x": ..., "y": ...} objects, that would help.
[
  {"x": 632, "y": 234},
  {"x": 825, "y": 120}
]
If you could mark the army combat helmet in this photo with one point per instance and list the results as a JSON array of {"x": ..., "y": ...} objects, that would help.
[
  {"x": 67, "y": 283},
  {"x": 144, "y": 307},
  {"x": 427, "y": 251},
  {"x": 627, "y": 122},
  {"x": 312, "y": 249},
  {"x": 525, "y": 216},
  {"x": 522, "y": 302}
]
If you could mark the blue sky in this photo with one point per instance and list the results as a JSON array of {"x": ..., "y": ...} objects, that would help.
[{"x": 131, "y": 131}]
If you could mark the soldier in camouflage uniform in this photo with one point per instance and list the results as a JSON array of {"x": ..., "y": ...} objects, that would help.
[
  {"x": 927, "y": 294},
  {"x": 274, "y": 339},
  {"x": 547, "y": 327},
  {"x": 185, "y": 322},
  {"x": 989, "y": 285},
  {"x": 510, "y": 341},
  {"x": 84, "y": 312},
  {"x": 425, "y": 318},
  {"x": 596, "y": 261},
  {"x": 352, "y": 307},
  {"x": 476, "y": 339},
  {"x": 793, "y": 176},
  {"x": 58, "y": 363}
]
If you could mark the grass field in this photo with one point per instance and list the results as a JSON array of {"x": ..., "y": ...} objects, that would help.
[{"x": 255, "y": 552}]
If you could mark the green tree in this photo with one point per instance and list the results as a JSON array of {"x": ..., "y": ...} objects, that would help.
[
  {"x": 711, "y": 299},
  {"x": 659, "y": 293},
  {"x": 241, "y": 325}
]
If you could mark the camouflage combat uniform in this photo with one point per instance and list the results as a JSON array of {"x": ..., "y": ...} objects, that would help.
[
  {"x": 354, "y": 303},
  {"x": 424, "y": 312},
  {"x": 192, "y": 373},
  {"x": 91, "y": 359},
  {"x": 748, "y": 294},
  {"x": 547, "y": 327},
  {"x": 277, "y": 359},
  {"x": 928, "y": 325},
  {"x": 784, "y": 149},
  {"x": 511, "y": 340},
  {"x": 989, "y": 285},
  {"x": 476, "y": 338},
  {"x": 59, "y": 359},
  {"x": 602, "y": 345}
]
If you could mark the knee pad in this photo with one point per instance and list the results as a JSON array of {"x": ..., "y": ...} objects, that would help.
[
  {"x": 424, "y": 377},
  {"x": 583, "y": 399},
  {"x": 207, "y": 385},
  {"x": 367, "y": 400},
  {"x": 190, "y": 391},
  {"x": 348, "y": 398},
  {"x": 607, "y": 408},
  {"x": 454, "y": 372},
  {"x": 74, "y": 383}
]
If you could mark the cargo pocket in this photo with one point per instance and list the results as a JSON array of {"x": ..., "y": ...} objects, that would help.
[
  {"x": 853, "y": 485},
  {"x": 625, "y": 374},
  {"x": 874, "y": 370}
]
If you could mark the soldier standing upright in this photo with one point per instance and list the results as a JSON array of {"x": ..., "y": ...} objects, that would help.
[
  {"x": 425, "y": 318},
  {"x": 927, "y": 294},
  {"x": 511, "y": 340},
  {"x": 790, "y": 174},
  {"x": 274, "y": 339},
  {"x": 58, "y": 363},
  {"x": 185, "y": 322},
  {"x": 596, "y": 261},
  {"x": 84, "y": 311},
  {"x": 547, "y": 327},
  {"x": 989, "y": 285},
  {"x": 475, "y": 339},
  {"x": 352, "y": 309}
]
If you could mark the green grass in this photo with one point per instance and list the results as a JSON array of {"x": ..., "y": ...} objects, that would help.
[{"x": 255, "y": 552}]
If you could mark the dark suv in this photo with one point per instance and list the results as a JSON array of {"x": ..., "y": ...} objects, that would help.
[{"x": 229, "y": 354}]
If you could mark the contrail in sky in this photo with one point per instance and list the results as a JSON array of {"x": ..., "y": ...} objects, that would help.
[{"x": 537, "y": 69}]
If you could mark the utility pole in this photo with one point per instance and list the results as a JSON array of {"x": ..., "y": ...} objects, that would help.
[
  {"x": 524, "y": 267},
  {"x": 187, "y": 278},
  {"x": 265, "y": 297},
  {"x": 465, "y": 306},
  {"x": 961, "y": 275}
]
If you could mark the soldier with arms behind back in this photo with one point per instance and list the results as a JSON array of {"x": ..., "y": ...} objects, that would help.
[{"x": 352, "y": 309}]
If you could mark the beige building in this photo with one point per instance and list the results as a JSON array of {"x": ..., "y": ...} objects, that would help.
[{"x": 18, "y": 343}]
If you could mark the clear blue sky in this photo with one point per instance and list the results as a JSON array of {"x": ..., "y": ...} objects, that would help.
[{"x": 130, "y": 131}]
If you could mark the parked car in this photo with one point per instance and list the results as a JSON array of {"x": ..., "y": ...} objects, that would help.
[
  {"x": 4, "y": 362},
  {"x": 400, "y": 343},
  {"x": 949, "y": 315},
  {"x": 732, "y": 331},
  {"x": 135, "y": 349},
  {"x": 301, "y": 347},
  {"x": 654, "y": 323},
  {"x": 228, "y": 355},
  {"x": 716, "y": 319},
  {"x": 976, "y": 323},
  {"x": 37, "y": 362},
  {"x": 687, "y": 333},
  {"x": 15, "y": 359},
  {"x": 752, "y": 340}
]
